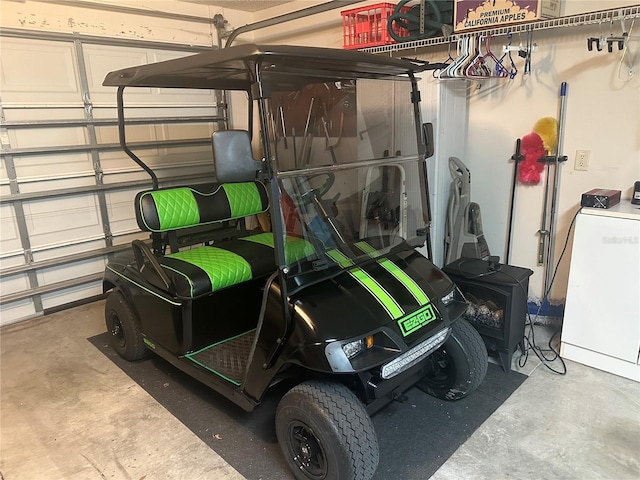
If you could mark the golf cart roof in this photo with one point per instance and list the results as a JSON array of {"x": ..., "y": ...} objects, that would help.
[{"x": 234, "y": 68}]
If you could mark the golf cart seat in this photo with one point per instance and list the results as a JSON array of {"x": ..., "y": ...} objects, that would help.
[{"x": 204, "y": 269}]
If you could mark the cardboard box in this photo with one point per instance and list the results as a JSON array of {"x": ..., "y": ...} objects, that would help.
[{"x": 484, "y": 14}]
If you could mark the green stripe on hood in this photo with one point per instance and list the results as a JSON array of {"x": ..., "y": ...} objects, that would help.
[
  {"x": 392, "y": 307},
  {"x": 400, "y": 275}
]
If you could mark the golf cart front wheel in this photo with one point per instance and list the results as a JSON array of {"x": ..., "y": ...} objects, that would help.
[
  {"x": 325, "y": 433},
  {"x": 122, "y": 326},
  {"x": 458, "y": 367}
]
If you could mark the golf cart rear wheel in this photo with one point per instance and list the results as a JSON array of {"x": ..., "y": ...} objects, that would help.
[
  {"x": 459, "y": 366},
  {"x": 126, "y": 338},
  {"x": 325, "y": 433}
]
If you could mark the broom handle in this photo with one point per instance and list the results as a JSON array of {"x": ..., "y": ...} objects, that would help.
[
  {"x": 556, "y": 186},
  {"x": 517, "y": 157}
]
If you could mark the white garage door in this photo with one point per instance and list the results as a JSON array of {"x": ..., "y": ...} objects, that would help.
[{"x": 66, "y": 188}]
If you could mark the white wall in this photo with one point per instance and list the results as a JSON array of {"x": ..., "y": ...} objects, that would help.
[{"x": 603, "y": 111}]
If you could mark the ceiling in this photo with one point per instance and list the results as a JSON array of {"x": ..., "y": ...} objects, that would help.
[{"x": 242, "y": 5}]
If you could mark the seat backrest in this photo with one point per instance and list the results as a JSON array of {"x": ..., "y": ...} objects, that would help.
[
  {"x": 233, "y": 157},
  {"x": 183, "y": 207}
]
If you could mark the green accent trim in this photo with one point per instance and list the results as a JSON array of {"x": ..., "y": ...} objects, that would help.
[
  {"x": 265, "y": 238},
  {"x": 149, "y": 343},
  {"x": 389, "y": 303},
  {"x": 340, "y": 258},
  {"x": 394, "y": 310},
  {"x": 406, "y": 280},
  {"x": 190, "y": 355},
  {"x": 416, "y": 320},
  {"x": 244, "y": 199},
  {"x": 400, "y": 275},
  {"x": 145, "y": 288},
  {"x": 176, "y": 208},
  {"x": 368, "y": 249},
  {"x": 294, "y": 249},
  {"x": 224, "y": 268}
]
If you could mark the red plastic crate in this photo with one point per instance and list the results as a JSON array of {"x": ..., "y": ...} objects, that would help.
[{"x": 367, "y": 26}]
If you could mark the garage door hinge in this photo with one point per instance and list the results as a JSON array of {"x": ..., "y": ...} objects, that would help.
[{"x": 88, "y": 106}]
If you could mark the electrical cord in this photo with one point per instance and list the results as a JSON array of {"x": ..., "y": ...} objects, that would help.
[{"x": 531, "y": 342}]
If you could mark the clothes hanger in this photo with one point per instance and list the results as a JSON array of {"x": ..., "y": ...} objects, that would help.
[
  {"x": 446, "y": 63},
  {"x": 513, "y": 71},
  {"x": 449, "y": 71},
  {"x": 493, "y": 64},
  {"x": 458, "y": 71},
  {"x": 477, "y": 66}
]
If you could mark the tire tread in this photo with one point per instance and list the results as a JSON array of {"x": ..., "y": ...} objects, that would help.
[{"x": 354, "y": 425}]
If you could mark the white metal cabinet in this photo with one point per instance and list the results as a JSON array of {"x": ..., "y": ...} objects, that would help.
[{"x": 602, "y": 313}]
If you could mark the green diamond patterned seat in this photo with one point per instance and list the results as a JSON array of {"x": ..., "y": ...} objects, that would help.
[{"x": 202, "y": 270}]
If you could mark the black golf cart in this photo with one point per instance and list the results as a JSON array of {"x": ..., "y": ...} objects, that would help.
[{"x": 301, "y": 267}]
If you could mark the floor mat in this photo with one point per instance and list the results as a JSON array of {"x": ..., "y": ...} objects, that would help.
[
  {"x": 228, "y": 358},
  {"x": 415, "y": 437}
]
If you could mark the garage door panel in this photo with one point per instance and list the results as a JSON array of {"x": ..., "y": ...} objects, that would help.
[
  {"x": 73, "y": 294},
  {"x": 34, "y": 71},
  {"x": 180, "y": 131},
  {"x": 157, "y": 111},
  {"x": 42, "y": 88},
  {"x": 11, "y": 259},
  {"x": 56, "y": 221},
  {"x": 47, "y": 137},
  {"x": 127, "y": 238},
  {"x": 66, "y": 250},
  {"x": 112, "y": 165},
  {"x": 134, "y": 133},
  {"x": 35, "y": 168},
  {"x": 52, "y": 184},
  {"x": 29, "y": 113},
  {"x": 15, "y": 311},
  {"x": 203, "y": 172},
  {"x": 9, "y": 236},
  {"x": 127, "y": 175},
  {"x": 14, "y": 284},
  {"x": 121, "y": 208},
  {"x": 49, "y": 276},
  {"x": 101, "y": 59},
  {"x": 185, "y": 157}
]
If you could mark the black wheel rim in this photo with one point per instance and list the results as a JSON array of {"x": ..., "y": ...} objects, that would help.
[
  {"x": 306, "y": 450},
  {"x": 441, "y": 370},
  {"x": 117, "y": 332}
]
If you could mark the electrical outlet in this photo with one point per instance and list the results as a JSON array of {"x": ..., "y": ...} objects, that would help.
[{"x": 582, "y": 160}]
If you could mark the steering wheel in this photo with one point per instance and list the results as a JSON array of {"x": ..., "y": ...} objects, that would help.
[{"x": 307, "y": 197}]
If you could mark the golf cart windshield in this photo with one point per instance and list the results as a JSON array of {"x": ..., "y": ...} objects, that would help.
[
  {"x": 346, "y": 159},
  {"x": 338, "y": 129}
]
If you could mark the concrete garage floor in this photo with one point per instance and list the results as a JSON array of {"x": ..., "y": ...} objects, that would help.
[{"x": 67, "y": 412}]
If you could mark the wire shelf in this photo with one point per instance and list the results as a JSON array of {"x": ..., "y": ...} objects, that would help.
[{"x": 591, "y": 18}]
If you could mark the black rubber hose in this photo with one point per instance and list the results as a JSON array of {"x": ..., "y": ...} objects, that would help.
[{"x": 409, "y": 21}]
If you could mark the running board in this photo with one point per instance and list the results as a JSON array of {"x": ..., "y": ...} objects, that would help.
[{"x": 228, "y": 358}]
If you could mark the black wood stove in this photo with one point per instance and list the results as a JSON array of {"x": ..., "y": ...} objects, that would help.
[{"x": 497, "y": 296}]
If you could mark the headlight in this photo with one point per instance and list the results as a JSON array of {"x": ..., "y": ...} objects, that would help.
[
  {"x": 341, "y": 355},
  {"x": 450, "y": 297},
  {"x": 409, "y": 358},
  {"x": 352, "y": 349}
]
